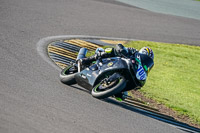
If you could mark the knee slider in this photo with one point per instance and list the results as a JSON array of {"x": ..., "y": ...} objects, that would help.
[{"x": 108, "y": 50}]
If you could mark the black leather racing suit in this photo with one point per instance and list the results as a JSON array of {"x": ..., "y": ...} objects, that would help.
[{"x": 119, "y": 51}]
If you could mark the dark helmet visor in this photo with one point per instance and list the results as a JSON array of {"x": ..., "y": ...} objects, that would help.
[{"x": 146, "y": 61}]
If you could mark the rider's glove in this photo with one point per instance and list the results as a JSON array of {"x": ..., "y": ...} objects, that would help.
[
  {"x": 121, "y": 50},
  {"x": 131, "y": 50}
]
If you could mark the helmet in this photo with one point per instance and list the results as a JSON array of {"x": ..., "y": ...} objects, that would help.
[{"x": 147, "y": 51}]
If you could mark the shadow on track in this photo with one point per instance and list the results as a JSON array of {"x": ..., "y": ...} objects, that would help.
[{"x": 80, "y": 88}]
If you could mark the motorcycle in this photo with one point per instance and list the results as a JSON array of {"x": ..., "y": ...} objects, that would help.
[{"x": 109, "y": 76}]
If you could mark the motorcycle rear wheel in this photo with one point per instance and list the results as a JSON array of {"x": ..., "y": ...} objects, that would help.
[
  {"x": 101, "y": 90},
  {"x": 67, "y": 75}
]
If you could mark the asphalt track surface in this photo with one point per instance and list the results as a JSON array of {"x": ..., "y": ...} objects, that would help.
[{"x": 32, "y": 100}]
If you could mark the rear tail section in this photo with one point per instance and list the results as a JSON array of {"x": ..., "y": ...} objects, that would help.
[{"x": 82, "y": 53}]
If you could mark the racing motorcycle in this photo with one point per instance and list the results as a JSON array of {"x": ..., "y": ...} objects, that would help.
[{"x": 109, "y": 76}]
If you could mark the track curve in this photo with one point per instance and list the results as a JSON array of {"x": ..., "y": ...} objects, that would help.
[{"x": 31, "y": 97}]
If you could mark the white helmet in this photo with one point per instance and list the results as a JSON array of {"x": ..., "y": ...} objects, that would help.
[{"x": 147, "y": 51}]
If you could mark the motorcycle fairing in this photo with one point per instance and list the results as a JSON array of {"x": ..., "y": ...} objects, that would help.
[
  {"x": 89, "y": 76},
  {"x": 141, "y": 74}
]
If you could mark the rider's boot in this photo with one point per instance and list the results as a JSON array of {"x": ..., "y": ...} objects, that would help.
[{"x": 121, "y": 96}]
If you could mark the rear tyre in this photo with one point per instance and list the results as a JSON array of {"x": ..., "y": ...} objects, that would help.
[
  {"x": 103, "y": 90},
  {"x": 67, "y": 75}
]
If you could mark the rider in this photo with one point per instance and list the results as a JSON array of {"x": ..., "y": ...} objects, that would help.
[{"x": 131, "y": 53}]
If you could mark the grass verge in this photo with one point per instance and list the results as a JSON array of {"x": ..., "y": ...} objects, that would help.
[{"x": 175, "y": 78}]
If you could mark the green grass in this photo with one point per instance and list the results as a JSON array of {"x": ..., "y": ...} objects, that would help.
[{"x": 175, "y": 77}]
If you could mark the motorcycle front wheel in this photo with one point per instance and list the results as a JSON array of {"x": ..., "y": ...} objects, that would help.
[
  {"x": 104, "y": 89},
  {"x": 67, "y": 75}
]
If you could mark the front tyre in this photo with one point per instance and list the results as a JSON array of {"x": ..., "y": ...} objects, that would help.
[
  {"x": 104, "y": 90},
  {"x": 67, "y": 75}
]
